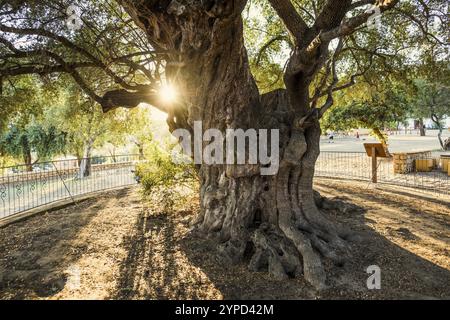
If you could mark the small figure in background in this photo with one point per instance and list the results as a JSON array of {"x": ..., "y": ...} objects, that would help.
[{"x": 331, "y": 137}]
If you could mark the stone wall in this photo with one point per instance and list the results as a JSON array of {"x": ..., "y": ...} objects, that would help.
[{"x": 405, "y": 162}]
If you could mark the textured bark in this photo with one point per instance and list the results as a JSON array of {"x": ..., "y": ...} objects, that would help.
[
  {"x": 27, "y": 159},
  {"x": 79, "y": 159},
  {"x": 85, "y": 164},
  {"x": 141, "y": 151},
  {"x": 441, "y": 142},
  {"x": 421, "y": 128},
  {"x": 447, "y": 144},
  {"x": 438, "y": 124},
  {"x": 272, "y": 222}
]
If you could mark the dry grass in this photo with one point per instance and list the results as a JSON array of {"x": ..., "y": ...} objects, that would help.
[{"x": 126, "y": 248}]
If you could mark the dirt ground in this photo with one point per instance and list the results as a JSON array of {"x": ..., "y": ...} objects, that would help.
[{"x": 120, "y": 247}]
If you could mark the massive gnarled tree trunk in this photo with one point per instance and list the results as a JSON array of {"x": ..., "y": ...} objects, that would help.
[{"x": 272, "y": 220}]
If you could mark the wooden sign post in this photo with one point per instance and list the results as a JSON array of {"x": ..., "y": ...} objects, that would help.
[{"x": 375, "y": 150}]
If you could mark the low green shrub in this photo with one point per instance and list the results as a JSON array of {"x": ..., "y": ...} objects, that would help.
[{"x": 165, "y": 181}]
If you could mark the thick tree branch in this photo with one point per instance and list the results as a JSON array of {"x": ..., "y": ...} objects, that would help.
[
  {"x": 123, "y": 98},
  {"x": 291, "y": 19},
  {"x": 332, "y": 14},
  {"x": 349, "y": 26}
]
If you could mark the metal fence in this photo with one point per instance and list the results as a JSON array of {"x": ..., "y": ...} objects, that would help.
[
  {"x": 358, "y": 166},
  {"x": 22, "y": 189}
]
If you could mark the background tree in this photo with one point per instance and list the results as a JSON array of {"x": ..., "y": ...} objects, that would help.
[
  {"x": 24, "y": 131},
  {"x": 198, "y": 47},
  {"x": 140, "y": 130},
  {"x": 86, "y": 125},
  {"x": 368, "y": 107},
  {"x": 21, "y": 100},
  {"x": 34, "y": 139},
  {"x": 432, "y": 100}
]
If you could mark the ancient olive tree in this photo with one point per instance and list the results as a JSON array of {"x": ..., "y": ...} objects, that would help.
[{"x": 198, "y": 47}]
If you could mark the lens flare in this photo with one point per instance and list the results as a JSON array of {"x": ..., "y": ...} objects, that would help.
[{"x": 168, "y": 93}]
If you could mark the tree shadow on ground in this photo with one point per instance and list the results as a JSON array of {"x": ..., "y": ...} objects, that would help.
[
  {"x": 440, "y": 201},
  {"x": 36, "y": 254},
  {"x": 406, "y": 235},
  {"x": 155, "y": 267},
  {"x": 140, "y": 251},
  {"x": 166, "y": 261}
]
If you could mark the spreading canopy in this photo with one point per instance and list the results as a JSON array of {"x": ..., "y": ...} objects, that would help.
[{"x": 137, "y": 46}]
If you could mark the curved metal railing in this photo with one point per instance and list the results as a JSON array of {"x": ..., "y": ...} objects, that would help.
[{"x": 48, "y": 182}]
